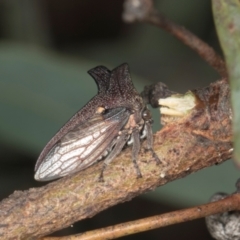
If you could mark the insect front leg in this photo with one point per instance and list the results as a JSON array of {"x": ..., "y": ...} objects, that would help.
[
  {"x": 121, "y": 141},
  {"x": 150, "y": 142}
]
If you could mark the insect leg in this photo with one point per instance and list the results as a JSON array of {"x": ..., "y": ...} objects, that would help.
[
  {"x": 135, "y": 150},
  {"x": 121, "y": 141},
  {"x": 150, "y": 142}
]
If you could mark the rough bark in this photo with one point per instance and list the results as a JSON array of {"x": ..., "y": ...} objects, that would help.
[{"x": 199, "y": 139}]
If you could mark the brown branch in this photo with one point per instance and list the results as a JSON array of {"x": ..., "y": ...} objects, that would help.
[
  {"x": 124, "y": 229},
  {"x": 199, "y": 139},
  {"x": 144, "y": 12}
]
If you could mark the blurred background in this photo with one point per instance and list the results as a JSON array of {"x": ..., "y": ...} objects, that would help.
[{"x": 46, "y": 49}]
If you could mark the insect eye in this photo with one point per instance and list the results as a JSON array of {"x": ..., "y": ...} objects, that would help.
[{"x": 146, "y": 114}]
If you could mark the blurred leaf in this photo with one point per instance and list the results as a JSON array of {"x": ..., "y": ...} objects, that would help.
[
  {"x": 227, "y": 20},
  {"x": 39, "y": 91}
]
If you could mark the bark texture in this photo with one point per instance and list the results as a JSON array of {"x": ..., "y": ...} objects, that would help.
[{"x": 201, "y": 138}]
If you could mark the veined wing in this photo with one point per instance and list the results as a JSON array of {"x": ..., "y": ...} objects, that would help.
[{"x": 84, "y": 145}]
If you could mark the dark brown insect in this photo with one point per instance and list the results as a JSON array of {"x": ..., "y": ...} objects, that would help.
[{"x": 116, "y": 116}]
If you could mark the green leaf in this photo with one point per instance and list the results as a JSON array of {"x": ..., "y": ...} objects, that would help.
[{"x": 227, "y": 21}]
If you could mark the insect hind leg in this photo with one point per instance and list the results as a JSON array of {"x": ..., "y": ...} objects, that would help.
[
  {"x": 135, "y": 150},
  {"x": 121, "y": 141}
]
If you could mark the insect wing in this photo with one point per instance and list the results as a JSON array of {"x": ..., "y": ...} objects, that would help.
[{"x": 84, "y": 145}]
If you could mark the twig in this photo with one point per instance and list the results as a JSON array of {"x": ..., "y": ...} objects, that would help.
[
  {"x": 228, "y": 204},
  {"x": 201, "y": 138},
  {"x": 144, "y": 12}
]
